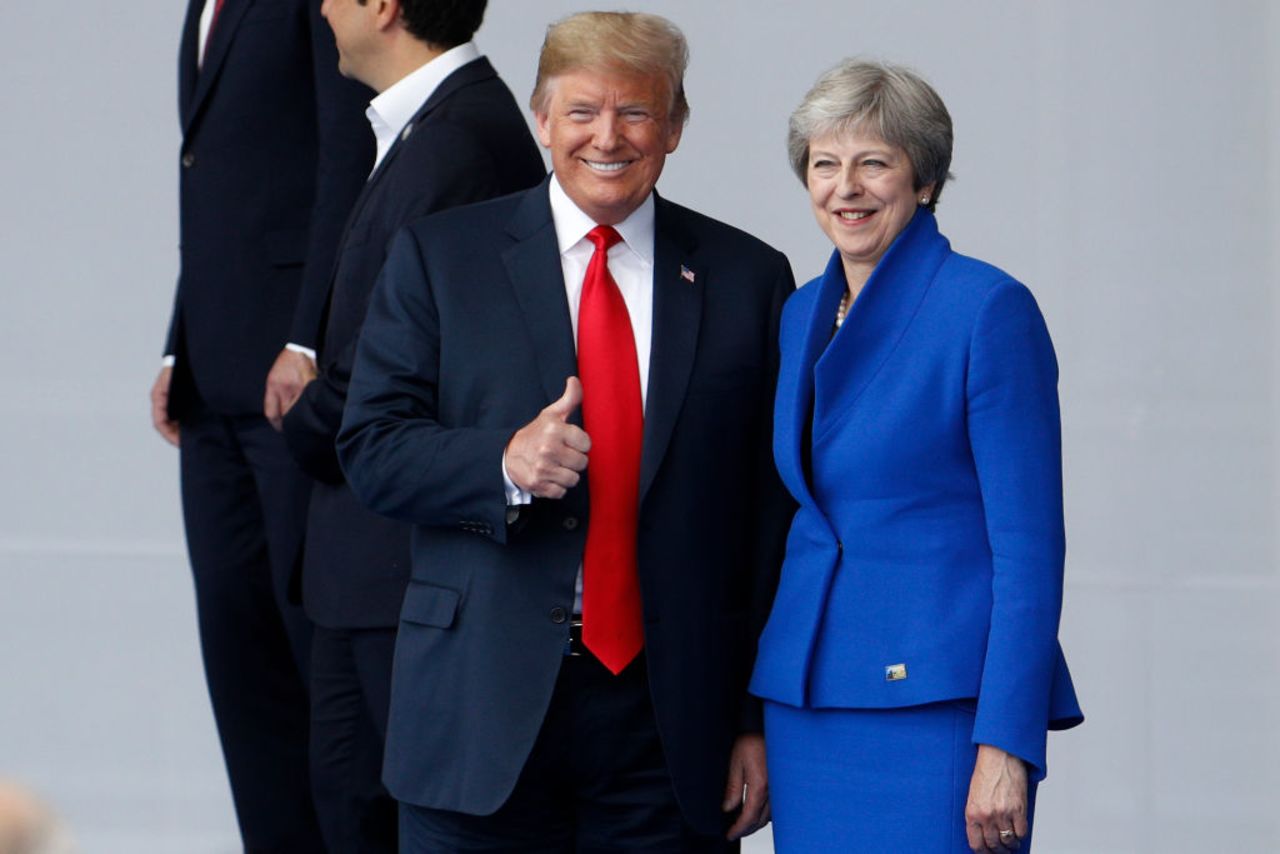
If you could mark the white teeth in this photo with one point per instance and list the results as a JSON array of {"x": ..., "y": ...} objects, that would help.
[
  {"x": 606, "y": 167},
  {"x": 854, "y": 215}
]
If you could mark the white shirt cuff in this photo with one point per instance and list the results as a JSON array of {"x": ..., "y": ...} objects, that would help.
[
  {"x": 168, "y": 361},
  {"x": 298, "y": 348},
  {"x": 515, "y": 495}
]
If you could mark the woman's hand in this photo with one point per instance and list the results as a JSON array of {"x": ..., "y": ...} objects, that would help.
[{"x": 995, "y": 817}]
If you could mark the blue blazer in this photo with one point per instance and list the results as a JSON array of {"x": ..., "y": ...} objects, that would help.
[
  {"x": 923, "y": 445},
  {"x": 467, "y": 338}
]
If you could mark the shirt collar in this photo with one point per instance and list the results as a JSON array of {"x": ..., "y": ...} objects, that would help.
[
  {"x": 572, "y": 225},
  {"x": 391, "y": 110}
]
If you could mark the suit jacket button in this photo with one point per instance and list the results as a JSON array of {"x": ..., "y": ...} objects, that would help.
[
  {"x": 570, "y": 523},
  {"x": 188, "y": 160},
  {"x": 558, "y": 615}
]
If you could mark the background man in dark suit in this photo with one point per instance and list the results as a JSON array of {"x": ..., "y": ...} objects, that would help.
[
  {"x": 448, "y": 132},
  {"x": 274, "y": 152},
  {"x": 512, "y": 728}
]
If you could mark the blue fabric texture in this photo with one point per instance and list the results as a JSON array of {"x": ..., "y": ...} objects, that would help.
[
  {"x": 845, "y": 780},
  {"x": 925, "y": 561}
]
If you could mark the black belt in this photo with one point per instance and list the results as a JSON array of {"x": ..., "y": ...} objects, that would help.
[{"x": 573, "y": 644}]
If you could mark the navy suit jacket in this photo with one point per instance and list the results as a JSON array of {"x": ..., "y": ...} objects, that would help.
[
  {"x": 275, "y": 149},
  {"x": 467, "y": 142},
  {"x": 930, "y": 531},
  {"x": 467, "y": 339}
]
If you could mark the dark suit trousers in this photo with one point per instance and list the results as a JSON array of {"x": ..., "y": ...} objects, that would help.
[
  {"x": 244, "y": 502},
  {"x": 596, "y": 781},
  {"x": 350, "y": 696}
]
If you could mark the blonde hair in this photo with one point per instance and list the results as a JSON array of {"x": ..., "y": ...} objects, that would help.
[{"x": 631, "y": 41}]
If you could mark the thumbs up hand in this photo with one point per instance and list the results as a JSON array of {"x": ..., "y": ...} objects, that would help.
[
  {"x": 546, "y": 456},
  {"x": 568, "y": 402}
]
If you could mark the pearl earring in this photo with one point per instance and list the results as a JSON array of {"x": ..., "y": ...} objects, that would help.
[{"x": 924, "y": 200}]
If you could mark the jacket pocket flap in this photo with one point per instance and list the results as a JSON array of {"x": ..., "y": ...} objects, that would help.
[{"x": 428, "y": 605}]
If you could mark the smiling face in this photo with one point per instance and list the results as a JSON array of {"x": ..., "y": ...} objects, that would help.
[
  {"x": 609, "y": 133},
  {"x": 863, "y": 193}
]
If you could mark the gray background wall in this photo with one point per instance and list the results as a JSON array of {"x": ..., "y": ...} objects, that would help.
[{"x": 1119, "y": 157}]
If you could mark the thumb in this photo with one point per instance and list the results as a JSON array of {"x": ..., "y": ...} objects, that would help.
[{"x": 569, "y": 401}]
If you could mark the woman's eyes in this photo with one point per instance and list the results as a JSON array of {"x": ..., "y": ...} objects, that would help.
[{"x": 872, "y": 163}]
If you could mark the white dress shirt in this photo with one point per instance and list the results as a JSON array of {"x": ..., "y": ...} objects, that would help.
[
  {"x": 630, "y": 264},
  {"x": 390, "y": 112},
  {"x": 206, "y": 23}
]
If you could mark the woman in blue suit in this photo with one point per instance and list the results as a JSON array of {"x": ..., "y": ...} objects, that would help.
[{"x": 911, "y": 664}]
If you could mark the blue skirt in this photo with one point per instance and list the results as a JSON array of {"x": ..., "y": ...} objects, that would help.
[{"x": 892, "y": 780}]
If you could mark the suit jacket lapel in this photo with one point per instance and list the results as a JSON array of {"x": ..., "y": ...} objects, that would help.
[
  {"x": 472, "y": 72},
  {"x": 882, "y": 313},
  {"x": 215, "y": 52},
  {"x": 537, "y": 276},
  {"x": 187, "y": 59},
  {"x": 795, "y": 381},
  {"x": 678, "y": 280}
]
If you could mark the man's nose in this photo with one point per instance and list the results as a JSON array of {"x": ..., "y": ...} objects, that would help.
[{"x": 606, "y": 132}]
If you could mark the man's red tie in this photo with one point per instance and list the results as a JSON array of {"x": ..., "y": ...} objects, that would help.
[{"x": 613, "y": 416}]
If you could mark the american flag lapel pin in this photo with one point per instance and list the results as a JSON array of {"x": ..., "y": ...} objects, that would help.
[{"x": 687, "y": 274}]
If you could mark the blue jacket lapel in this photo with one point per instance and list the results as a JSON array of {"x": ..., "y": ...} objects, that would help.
[
  {"x": 537, "y": 276},
  {"x": 816, "y": 304},
  {"x": 677, "y": 314},
  {"x": 882, "y": 313}
]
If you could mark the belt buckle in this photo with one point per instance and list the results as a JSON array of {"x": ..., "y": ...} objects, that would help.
[{"x": 573, "y": 647}]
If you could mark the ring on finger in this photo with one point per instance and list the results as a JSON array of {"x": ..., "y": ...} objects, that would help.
[{"x": 1006, "y": 835}]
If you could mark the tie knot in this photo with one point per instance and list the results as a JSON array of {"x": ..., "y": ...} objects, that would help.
[{"x": 604, "y": 237}]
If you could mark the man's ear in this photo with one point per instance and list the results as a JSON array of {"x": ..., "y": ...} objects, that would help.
[
  {"x": 673, "y": 135},
  {"x": 388, "y": 12},
  {"x": 543, "y": 123}
]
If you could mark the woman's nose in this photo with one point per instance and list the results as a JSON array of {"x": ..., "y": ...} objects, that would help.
[{"x": 849, "y": 184}]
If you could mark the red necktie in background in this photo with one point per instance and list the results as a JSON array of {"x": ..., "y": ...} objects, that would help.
[{"x": 613, "y": 416}]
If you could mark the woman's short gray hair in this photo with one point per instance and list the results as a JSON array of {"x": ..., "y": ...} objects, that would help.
[{"x": 890, "y": 101}]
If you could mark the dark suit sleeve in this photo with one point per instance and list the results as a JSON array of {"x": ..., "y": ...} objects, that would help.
[
  {"x": 447, "y": 167},
  {"x": 344, "y": 157},
  {"x": 398, "y": 456},
  {"x": 171, "y": 337},
  {"x": 774, "y": 506},
  {"x": 311, "y": 426}
]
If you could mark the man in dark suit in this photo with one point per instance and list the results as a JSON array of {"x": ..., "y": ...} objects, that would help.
[
  {"x": 515, "y": 724},
  {"x": 274, "y": 152},
  {"x": 448, "y": 132}
]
